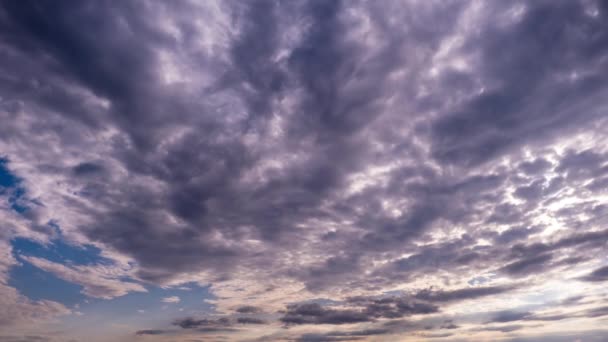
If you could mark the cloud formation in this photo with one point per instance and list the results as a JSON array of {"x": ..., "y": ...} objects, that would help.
[
  {"x": 172, "y": 299},
  {"x": 405, "y": 159}
]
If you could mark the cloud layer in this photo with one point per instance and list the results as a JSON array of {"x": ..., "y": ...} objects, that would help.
[{"x": 333, "y": 170}]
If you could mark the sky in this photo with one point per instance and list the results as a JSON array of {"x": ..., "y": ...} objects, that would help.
[{"x": 306, "y": 171}]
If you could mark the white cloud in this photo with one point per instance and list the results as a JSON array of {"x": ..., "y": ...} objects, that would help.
[
  {"x": 97, "y": 281},
  {"x": 16, "y": 308},
  {"x": 172, "y": 299}
]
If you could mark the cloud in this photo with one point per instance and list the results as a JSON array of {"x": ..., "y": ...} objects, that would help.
[
  {"x": 97, "y": 281},
  {"x": 466, "y": 136},
  {"x": 247, "y": 309},
  {"x": 462, "y": 294},
  {"x": 528, "y": 265},
  {"x": 382, "y": 154},
  {"x": 325, "y": 338},
  {"x": 190, "y": 322},
  {"x": 600, "y": 274},
  {"x": 150, "y": 332},
  {"x": 316, "y": 314},
  {"x": 250, "y": 320},
  {"x": 596, "y": 312},
  {"x": 504, "y": 328},
  {"x": 513, "y": 316},
  {"x": 26, "y": 338},
  {"x": 510, "y": 316},
  {"x": 18, "y": 309},
  {"x": 367, "y": 309},
  {"x": 172, "y": 299}
]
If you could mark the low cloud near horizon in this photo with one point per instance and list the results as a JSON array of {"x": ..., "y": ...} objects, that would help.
[{"x": 309, "y": 170}]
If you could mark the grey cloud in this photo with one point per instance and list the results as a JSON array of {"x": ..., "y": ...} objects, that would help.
[
  {"x": 463, "y": 294},
  {"x": 343, "y": 145},
  {"x": 532, "y": 191},
  {"x": 528, "y": 265},
  {"x": 366, "y": 332},
  {"x": 250, "y": 320},
  {"x": 493, "y": 122},
  {"x": 26, "y": 338},
  {"x": 201, "y": 175},
  {"x": 582, "y": 165},
  {"x": 191, "y": 322},
  {"x": 504, "y": 328},
  {"x": 597, "y": 312},
  {"x": 538, "y": 256},
  {"x": 446, "y": 254},
  {"x": 248, "y": 309},
  {"x": 598, "y": 185},
  {"x": 150, "y": 332},
  {"x": 510, "y": 316},
  {"x": 595, "y": 237},
  {"x": 549, "y": 318},
  {"x": 87, "y": 168},
  {"x": 505, "y": 213},
  {"x": 437, "y": 335},
  {"x": 448, "y": 324},
  {"x": 363, "y": 308},
  {"x": 600, "y": 274},
  {"x": 514, "y": 316},
  {"x": 342, "y": 335},
  {"x": 212, "y": 330},
  {"x": 515, "y": 234},
  {"x": 398, "y": 307},
  {"x": 316, "y": 314},
  {"x": 222, "y": 324},
  {"x": 536, "y": 166},
  {"x": 572, "y": 300},
  {"x": 324, "y": 338}
]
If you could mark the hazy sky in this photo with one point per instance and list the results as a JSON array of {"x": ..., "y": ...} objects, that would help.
[{"x": 382, "y": 170}]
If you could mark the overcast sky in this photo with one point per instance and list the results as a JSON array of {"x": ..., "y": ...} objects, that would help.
[{"x": 386, "y": 170}]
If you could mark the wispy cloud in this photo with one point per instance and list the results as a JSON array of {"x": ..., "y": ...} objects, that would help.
[{"x": 172, "y": 299}]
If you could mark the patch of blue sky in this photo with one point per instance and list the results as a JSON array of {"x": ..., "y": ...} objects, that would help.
[
  {"x": 59, "y": 251},
  {"x": 143, "y": 309},
  {"x": 133, "y": 309},
  {"x": 10, "y": 185},
  {"x": 32, "y": 282},
  {"x": 37, "y": 284},
  {"x": 7, "y": 179}
]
